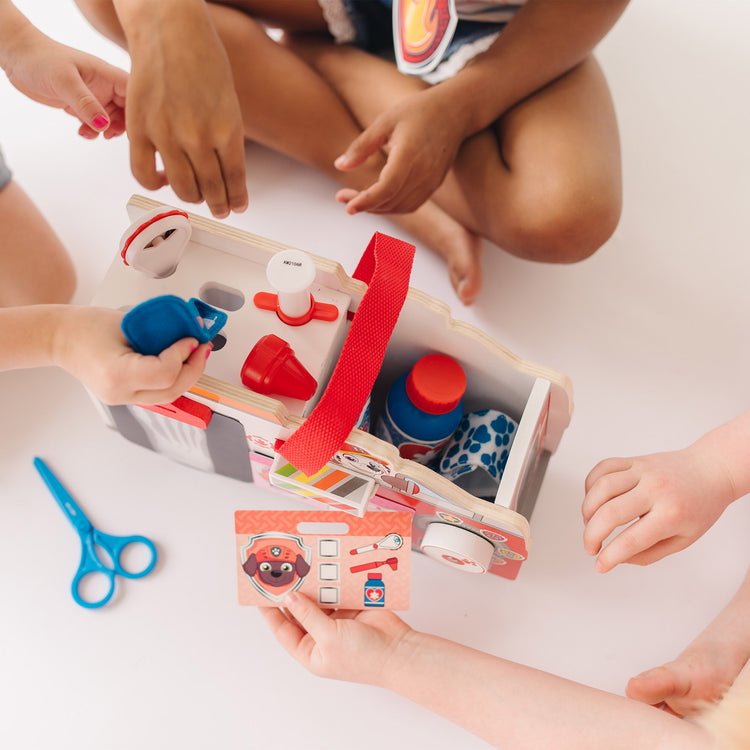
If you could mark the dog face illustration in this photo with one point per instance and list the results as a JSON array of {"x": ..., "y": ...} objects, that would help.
[{"x": 276, "y": 565}]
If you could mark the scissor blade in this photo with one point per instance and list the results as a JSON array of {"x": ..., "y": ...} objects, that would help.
[{"x": 67, "y": 504}]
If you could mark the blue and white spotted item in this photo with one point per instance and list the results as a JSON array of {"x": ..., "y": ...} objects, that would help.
[{"x": 475, "y": 457}]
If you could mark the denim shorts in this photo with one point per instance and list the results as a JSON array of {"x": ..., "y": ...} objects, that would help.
[
  {"x": 367, "y": 24},
  {"x": 5, "y": 173}
]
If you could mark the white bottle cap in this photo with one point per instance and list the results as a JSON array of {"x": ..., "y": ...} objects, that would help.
[{"x": 291, "y": 274}]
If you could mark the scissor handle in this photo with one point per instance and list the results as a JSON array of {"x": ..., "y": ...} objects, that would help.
[
  {"x": 114, "y": 546},
  {"x": 91, "y": 563}
]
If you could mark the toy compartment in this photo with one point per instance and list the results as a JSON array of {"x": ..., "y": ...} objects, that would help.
[{"x": 225, "y": 268}]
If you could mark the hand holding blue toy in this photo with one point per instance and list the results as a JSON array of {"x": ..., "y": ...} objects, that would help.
[{"x": 157, "y": 323}]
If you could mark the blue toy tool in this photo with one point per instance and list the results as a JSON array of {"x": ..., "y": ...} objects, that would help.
[
  {"x": 91, "y": 538},
  {"x": 157, "y": 323}
]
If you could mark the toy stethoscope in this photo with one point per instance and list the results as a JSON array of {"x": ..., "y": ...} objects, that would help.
[{"x": 91, "y": 538}]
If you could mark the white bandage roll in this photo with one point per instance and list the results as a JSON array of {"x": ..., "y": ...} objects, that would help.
[
  {"x": 291, "y": 274},
  {"x": 155, "y": 242},
  {"x": 457, "y": 547}
]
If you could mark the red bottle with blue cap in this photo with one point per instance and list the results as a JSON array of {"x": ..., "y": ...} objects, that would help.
[{"x": 424, "y": 407}]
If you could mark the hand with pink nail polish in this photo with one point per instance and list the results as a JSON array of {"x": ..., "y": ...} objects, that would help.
[{"x": 62, "y": 77}]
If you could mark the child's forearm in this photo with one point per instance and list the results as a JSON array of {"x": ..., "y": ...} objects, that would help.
[
  {"x": 510, "y": 705},
  {"x": 28, "y": 335},
  {"x": 15, "y": 29},
  {"x": 545, "y": 40},
  {"x": 143, "y": 20},
  {"x": 728, "y": 447}
]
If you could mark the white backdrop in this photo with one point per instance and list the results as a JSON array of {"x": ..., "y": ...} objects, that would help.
[{"x": 651, "y": 330}]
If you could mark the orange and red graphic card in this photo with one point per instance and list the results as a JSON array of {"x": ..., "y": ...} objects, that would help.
[{"x": 335, "y": 558}]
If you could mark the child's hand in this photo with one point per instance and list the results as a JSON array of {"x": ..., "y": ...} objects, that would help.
[
  {"x": 357, "y": 646},
  {"x": 83, "y": 85},
  {"x": 422, "y": 137},
  {"x": 182, "y": 104},
  {"x": 673, "y": 498},
  {"x": 89, "y": 344}
]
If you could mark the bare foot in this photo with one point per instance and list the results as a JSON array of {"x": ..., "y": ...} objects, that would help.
[
  {"x": 727, "y": 720},
  {"x": 460, "y": 248},
  {"x": 698, "y": 677}
]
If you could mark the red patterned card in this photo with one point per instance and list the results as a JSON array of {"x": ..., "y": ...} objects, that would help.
[{"x": 338, "y": 560}]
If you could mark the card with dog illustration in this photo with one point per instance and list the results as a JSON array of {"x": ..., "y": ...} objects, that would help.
[{"x": 338, "y": 560}]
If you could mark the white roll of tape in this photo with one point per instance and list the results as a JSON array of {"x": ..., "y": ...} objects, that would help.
[
  {"x": 457, "y": 547},
  {"x": 155, "y": 242},
  {"x": 291, "y": 274}
]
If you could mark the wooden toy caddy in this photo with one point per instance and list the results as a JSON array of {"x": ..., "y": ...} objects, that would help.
[{"x": 222, "y": 426}]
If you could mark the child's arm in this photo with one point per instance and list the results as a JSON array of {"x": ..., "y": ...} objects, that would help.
[
  {"x": 423, "y": 133},
  {"x": 673, "y": 498},
  {"x": 182, "y": 104},
  {"x": 506, "y": 704},
  {"x": 88, "y": 343},
  {"x": 51, "y": 73}
]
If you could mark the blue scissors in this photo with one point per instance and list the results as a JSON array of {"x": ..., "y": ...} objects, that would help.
[{"x": 91, "y": 538}]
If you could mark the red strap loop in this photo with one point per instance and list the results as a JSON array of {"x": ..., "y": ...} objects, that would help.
[{"x": 385, "y": 266}]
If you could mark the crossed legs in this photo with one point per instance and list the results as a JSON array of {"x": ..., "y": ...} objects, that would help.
[{"x": 544, "y": 184}]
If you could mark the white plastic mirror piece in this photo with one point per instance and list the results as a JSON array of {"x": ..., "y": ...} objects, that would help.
[
  {"x": 457, "y": 547},
  {"x": 155, "y": 242}
]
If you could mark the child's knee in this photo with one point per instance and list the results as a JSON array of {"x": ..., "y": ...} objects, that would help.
[
  {"x": 64, "y": 283},
  {"x": 565, "y": 225}
]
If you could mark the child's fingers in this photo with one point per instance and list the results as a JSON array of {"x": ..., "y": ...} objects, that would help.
[
  {"x": 363, "y": 146},
  {"x": 310, "y": 616},
  {"x": 81, "y": 101},
  {"x": 630, "y": 542},
  {"x": 274, "y": 616},
  {"x": 162, "y": 379},
  {"x": 190, "y": 371},
  {"x": 210, "y": 180},
  {"x": 143, "y": 162},
  {"x": 289, "y": 635},
  {"x": 87, "y": 132},
  {"x": 606, "y": 466},
  {"x": 345, "y": 195},
  {"x": 179, "y": 352},
  {"x": 608, "y": 488},
  {"x": 116, "y": 121},
  {"x": 380, "y": 194},
  {"x": 180, "y": 171},
  {"x": 660, "y": 550},
  {"x": 232, "y": 159},
  {"x": 610, "y": 515}
]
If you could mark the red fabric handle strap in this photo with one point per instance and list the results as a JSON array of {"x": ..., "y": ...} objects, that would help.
[{"x": 385, "y": 266}]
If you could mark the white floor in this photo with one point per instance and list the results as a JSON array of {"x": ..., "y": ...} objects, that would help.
[{"x": 652, "y": 331}]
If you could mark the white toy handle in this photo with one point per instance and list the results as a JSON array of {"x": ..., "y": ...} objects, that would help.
[{"x": 155, "y": 242}]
